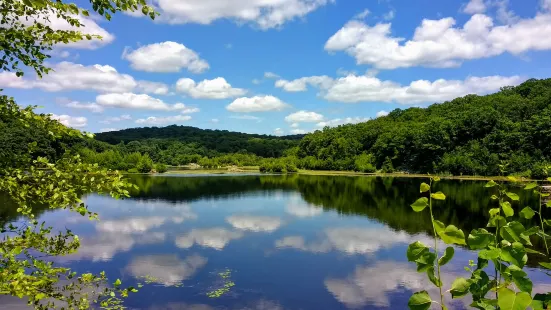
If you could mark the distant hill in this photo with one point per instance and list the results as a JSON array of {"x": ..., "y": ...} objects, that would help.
[
  {"x": 221, "y": 141},
  {"x": 471, "y": 135}
]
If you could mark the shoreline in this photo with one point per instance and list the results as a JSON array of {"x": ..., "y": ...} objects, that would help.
[{"x": 248, "y": 170}]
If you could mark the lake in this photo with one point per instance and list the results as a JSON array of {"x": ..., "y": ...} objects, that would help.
[{"x": 273, "y": 241}]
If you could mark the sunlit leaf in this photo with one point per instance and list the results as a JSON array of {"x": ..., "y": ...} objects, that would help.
[
  {"x": 433, "y": 278},
  {"x": 416, "y": 250},
  {"x": 479, "y": 239},
  {"x": 420, "y": 204},
  {"x": 420, "y": 301},
  {"x": 507, "y": 209},
  {"x": 531, "y": 186},
  {"x": 438, "y": 196},
  {"x": 452, "y": 235},
  {"x": 491, "y": 183},
  {"x": 448, "y": 255},
  {"x": 509, "y": 300},
  {"x": 527, "y": 213},
  {"x": 460, "y": 287},
  {"x": 424, "y": 187},
  {"x": 489, "y": 254},
  {"x": 512, "y": 196}
]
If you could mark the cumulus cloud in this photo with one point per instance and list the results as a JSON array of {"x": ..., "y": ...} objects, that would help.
[
  {"x": 475, "y": 7},
  {"x": 301, "y": 84},
  {"x": 168, "y": 270},
  {"x": 298, "y": 131},
  {"x": 115, "y": 119},
  {"x": 136, "y": 101},
  {"x": 298, "y": 242},
  {"x": 91, "y": 106},
  {"x": 68, "y": 76},
  {"x": 304, "y": 117},
  {"x": 217, "y": 88},
  {"x": 70, "y": 121},
  {"x": 216, "y": 238},
  {"x": 294, "y": 125},
  {"x": 255, "y": 223},
  {"x": 300, "y": 208},
  {"x": 440, "y": 43},
  {"x": 382, "y": 113},
  {"x": 342, "y": 121},
  {"x": 264, "y": 14},
  {"x": 108, "y": 129},
  {"x": 279, "y": 132},
  {"x": 135, "y": 225},
  {"x": 256, "y": 104},
  {"x": 154, "y": 120},
  {"x": 246, "y": 117},
  {"x": 354, "y": 88},
  {"x": 165, "y": 57},
  {"x": 89, "y": 26}
]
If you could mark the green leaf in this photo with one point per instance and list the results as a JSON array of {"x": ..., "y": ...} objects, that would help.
[
  {"x": 117, "y": 283},
  {"x": 507, "y": 209},
  {"x": 527, "y": 213},
  {"x": 531, "y": 186},
  {"x": 545, "y": 265},
  {"x": 508, "y": 300},
  {"x": 433, "y": 278},
  {"x": 489, "y": 254},
  {"x": 448, "y": 255},
  {"x": 420, "y": 301},
  {"x": 494, "y": 211},
  {"x": 416, "y": 250},
  {"x": 425, "y": 261},
  {"x": 514, "y": 254},
  {"x": 528, "y": 250},
  {"x": 494, "y": 197},
  {"x": 496, "y": 221},
  {"x": 491, "y": 183},
  {"x": 512, "y": 231},
  {"x": 479, "y": 239},
  {"x": 512, "y": 179},
  {"x": 541, "y": 301},
  {"x": 424, "y": 187},
  {"x": 460, "y": 287},
  {"x": 523, "y": 283},
  {"x": 438, "y": 196},
  {"x": 512, "y": 196},
  {"x": 438, "y": 226},
  {"x": 452, "y": 235},
  {"x": 420, "y": 204}
]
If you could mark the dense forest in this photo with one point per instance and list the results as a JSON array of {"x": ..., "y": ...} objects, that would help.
[{"x": 472, "y": 135}]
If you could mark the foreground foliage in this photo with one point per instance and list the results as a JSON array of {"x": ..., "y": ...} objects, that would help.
[
  {"x": 36, "y": 172},
  {"x": 497, "y": 279}
]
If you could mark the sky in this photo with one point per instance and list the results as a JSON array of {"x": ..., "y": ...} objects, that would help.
[{"x": 285, "y": 66}]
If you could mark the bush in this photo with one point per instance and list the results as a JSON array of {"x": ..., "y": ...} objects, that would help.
[
  {"x": 145, "y": 164},
  {"x": 365, "y": 163},
  {"x": 133, "y": 170},
  {"x": 540, "y": 170},
  {"x": 387, "y": 166},
  {"x": 161, "y": 168}
]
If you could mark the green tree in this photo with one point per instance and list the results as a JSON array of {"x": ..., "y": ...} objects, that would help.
[{"x": 29, "y": 179}]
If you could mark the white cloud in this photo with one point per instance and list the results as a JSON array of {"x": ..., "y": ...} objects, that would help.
[
  {"x": 255, "y": 223},
  {"x": 136, "y": 101},
  {"x": 298, "y": 131},
  {"x": 438, "y": 43},
  {"x": 294, "y": 125},
  {"x": 153, "y": 120},
  {"x": 165, "y": 269},
  {"x": 68, "y": 76},
  {"x": 155, "y": 88},
  {"x": 261, "y": 13},
  {"x": 189, "y": 110},
  {"x": 92, "y": 107},
  {"x": 121, "y": 118},
  {"x": 217, "y": 88},
  {"x": 257, "y": 104},
  {"x": 89, "y": 26},
  {"x": 214, "y": 120},
  {"x": 299, "y": 85},
  {"x": 363, "y": 14},
  {"x": 279, "y": 132},
  {"x": 389, "y": 15},
  {"x": 370, "y": 89},
  {"x": 298, "y": 242},
  {"x": 546, "y": 5},
  {"x": 270, "y": 75},
  {"x": 304, "y": 117},
  {"x": 71, "y": 121},
  {"x": 216, "y": 238},
  {"x": 165, "y": 57},
  {"x": 300, "y": 208},
  {"x": 130, "y": 225},
  {"x": 342, "y": 121},
  {"x": 475, "y": 7},
  {"x": 246, "y": 117},
  {"x": 256, "y": 81},
  {"x": 382, "y": 113}
]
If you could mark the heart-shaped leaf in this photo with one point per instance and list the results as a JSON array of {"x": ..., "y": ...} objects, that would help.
[
  {"x": 507, "y": 209},
  {"x": 438, "y": 196},
  {"x": 491, "y": 183},
  {"x": 512, "y": 196},
  {"x": 479, "y": 239},
  {"x": 509, "y": 300},
  {"x": 531, "y": 185},
  {"x": 448, "y": 255},
  {"x": 424, "y": 187},
  {"x": 420, "y": 301},
  {"x": 527, "y": 213},
  {"x": 420, "y": 204},
  {"x": 452, "y": 235},
  {"x": 460, "y": 287}
]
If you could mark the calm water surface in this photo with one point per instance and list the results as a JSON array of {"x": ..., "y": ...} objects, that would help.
[{"x": 288, "y": 242}]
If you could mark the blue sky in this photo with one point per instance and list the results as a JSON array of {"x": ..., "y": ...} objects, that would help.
[{"x": 286, "y": 66}]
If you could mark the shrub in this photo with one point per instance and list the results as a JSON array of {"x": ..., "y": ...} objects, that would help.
[
  {"x": 161, "y": 168},
  {"x": 133, "y": 170},
  {"x": 540, "y": 170}
]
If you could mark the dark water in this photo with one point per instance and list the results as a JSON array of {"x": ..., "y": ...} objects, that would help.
[{"x": 288, "y": 242}]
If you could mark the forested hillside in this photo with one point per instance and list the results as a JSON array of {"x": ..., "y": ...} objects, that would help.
[
  {"x": 205, "y": 142},
  {"x": 472, "y": 135}
]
